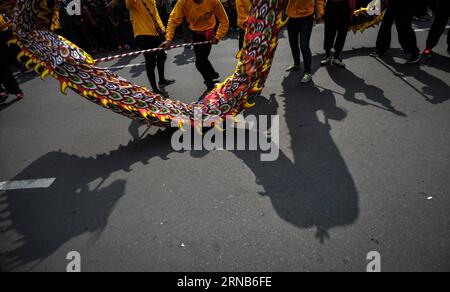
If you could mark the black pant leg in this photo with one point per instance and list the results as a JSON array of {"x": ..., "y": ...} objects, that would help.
[
  {"x": 342, "y": 26},
  {"x": 403, "y": 21},
  {"x": 241, "y": 38},
  {"x": 6, "y": 77},
  {"x": 385, "y": 33},
  {"x": 330, "y": 27},
  {"x": 306, "y": 27},
  {"x": 151, "y": 59},
  {"x": 439, "y": 24},
  {"x": 293, "y": 34},
  {"x": 202, "y": 62},
  {"x": 448, "y": 39}
]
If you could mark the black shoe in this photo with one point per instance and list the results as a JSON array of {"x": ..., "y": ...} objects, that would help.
[
  {"x": 3, "y": 97},
  {"x": 338, "y": 62},
  {"x": 378, "y": 54},
  {"x": 202, "y": 97},
  {"x": 414, "y": 59},
  {"x": 293, "y": 68},
  {"x": 215, "y": 75},
  {"x": 166, "y": 82},
  {"x": 211, "y": 85},
  {"x": 163, "y": 94}
]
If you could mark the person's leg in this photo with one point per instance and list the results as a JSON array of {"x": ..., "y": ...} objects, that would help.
[
  {"x": 385, "y": 33},
  {"x": 421, "y": 8},
  {"x": 306, "y": 27},
  {"x": 448, "y": 41},
  {"x": 150, "y": 65},
  {"x": 161, "y": 57},
  {"x": 145, "y": 42},
  {"x": 241, "y": 38},
  {"x": 205, "y": 52},
  {"x": 342, "y": 28},
  {"x": 438, "y": 27},
  {"x": 436, "y": 31},
  {"x": 330, "y": 28},
  {"x": 211, "y": 71},
  {"x": 201, "y": 60},
  {"x": 293, "y": 28},
  {"x": 3, "y": 94},
  {"x": 6, "y": 77},
  {"x": 406, "y": 34}
]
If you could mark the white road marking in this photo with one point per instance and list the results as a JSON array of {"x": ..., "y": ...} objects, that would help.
[
  {"x": 427, "y": 29},
  {"x": 42, "y": 183}
]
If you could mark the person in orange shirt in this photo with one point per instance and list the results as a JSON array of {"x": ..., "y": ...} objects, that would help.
[
  {"x": 243, "y": 9},
  {"x": 149, "y": 33},
  {"x": 201, "y": 16},
  {"x": 302, "y": 14}
]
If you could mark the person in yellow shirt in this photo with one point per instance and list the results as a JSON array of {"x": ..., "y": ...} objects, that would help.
[
  {"x": 201, "y": 16},
  {"x": 243, "y": 9},
  {"x": 302, "y": 14},
  {"x": 149, "y": 33},
  {"x": 7, "y": 79}
]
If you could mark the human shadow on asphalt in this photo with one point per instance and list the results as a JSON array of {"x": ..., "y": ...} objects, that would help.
[
  {"x": 124, "y": 61},
  {"x": 435, "y": 91},
  {"x": 137, "y": 70},
  {"x": 352, "y": 85},
  {"x": 36, "y": 223},
  {"x": 187, "y": 56},
  {"x": 314, "y": 189}
]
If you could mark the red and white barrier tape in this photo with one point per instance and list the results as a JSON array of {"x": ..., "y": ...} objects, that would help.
[{"x": 136, "y": 53}]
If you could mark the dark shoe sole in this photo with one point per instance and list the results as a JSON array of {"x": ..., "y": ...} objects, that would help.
[
  {"x": 215, "y": 76},
  {"x": 293, "y": 68},
  {"x": 413, "y": 62}
]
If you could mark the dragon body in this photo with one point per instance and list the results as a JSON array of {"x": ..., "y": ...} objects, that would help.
[{"x": 53, "y": 55}]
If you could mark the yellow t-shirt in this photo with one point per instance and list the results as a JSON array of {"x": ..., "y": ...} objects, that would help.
[
  {"x": 201, "y": 17},
  {"x": 143, "y": 22},
  {"x": 304, "y": 8},
  {"x": 243, "y": 9}
]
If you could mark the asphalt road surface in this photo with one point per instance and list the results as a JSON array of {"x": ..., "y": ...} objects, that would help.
[{"x": 363, "y": 166}]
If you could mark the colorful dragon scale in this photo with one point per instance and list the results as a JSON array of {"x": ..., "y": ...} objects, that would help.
[{"x": 75, "y": 69}]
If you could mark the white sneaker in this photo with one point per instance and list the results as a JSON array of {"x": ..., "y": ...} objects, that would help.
[{"x": 306, "y": 78}]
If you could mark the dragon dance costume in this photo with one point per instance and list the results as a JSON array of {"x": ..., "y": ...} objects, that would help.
[
  {"x": 8, "y": 84},
  {"x": 53, "y": 55}
]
